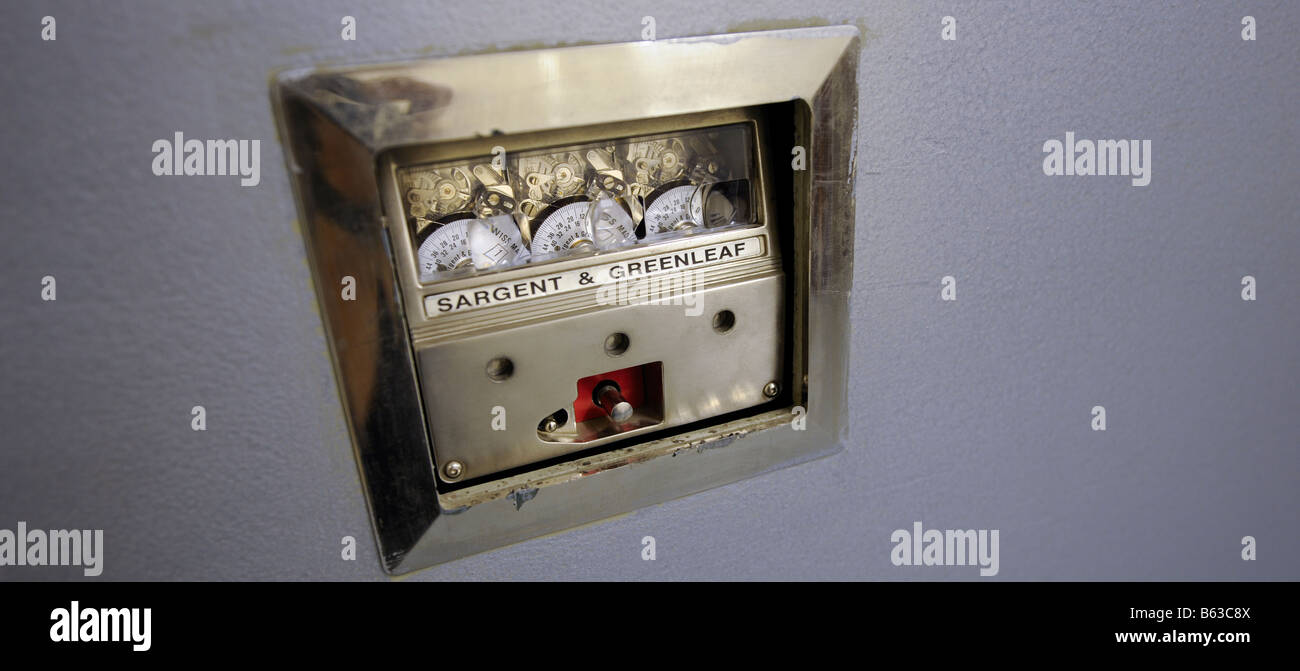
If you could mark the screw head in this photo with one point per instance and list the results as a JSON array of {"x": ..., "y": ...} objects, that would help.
[
  {"x": 771, "y": 389},
  {"x": 550, "y": 425},
  {"x": 453, "y": 470}
]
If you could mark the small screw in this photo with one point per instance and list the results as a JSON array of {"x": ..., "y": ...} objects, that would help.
[
  {"x": 771, "y": 389},
  {"x": 453, "y": 470},
  {"x": 550, "y": 425}
]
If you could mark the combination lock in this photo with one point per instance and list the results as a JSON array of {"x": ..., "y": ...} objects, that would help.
[
  {"x": 630, "y": 239},
  {"x": 561, "y": 312}
]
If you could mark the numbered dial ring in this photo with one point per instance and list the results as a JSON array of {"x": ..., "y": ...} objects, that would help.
[
  {"x": 566, "y": 228},
  {"x": 674, "y": 209},
  {"x": 482, "y": 243},
  {"x": 446, "y": 248}
]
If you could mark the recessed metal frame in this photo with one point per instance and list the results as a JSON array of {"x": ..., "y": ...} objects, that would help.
[{"x": 336, "y": 124}]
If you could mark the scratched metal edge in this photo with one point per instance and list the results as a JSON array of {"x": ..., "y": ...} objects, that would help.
[
  {"x": 399, "y": 517},
  {"x": 620, "y": 483}
]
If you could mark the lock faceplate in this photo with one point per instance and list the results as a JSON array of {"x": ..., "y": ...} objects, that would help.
[{"x": 705, "y": 373}]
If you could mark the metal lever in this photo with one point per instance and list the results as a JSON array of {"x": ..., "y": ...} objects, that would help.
[{"x": 610, "y": 399}]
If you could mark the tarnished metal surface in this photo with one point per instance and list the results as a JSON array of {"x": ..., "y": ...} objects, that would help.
[{"x": 337, "y": 123}]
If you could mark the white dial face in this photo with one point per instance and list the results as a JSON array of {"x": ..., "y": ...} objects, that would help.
[
  {"x": 566, "y": 228},
  {"x": 468, "y": 241},
  {"x": 678, "y": 208},
  {"x": 445, "y": 249}
]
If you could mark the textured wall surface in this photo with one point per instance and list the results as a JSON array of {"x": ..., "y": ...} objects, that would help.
[{"x": 1071, "y": 292}]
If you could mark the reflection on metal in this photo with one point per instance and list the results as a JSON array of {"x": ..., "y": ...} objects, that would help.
[{"x": 355, "y": 139}]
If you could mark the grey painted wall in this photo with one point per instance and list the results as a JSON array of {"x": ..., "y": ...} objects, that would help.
[{"x": 1072, "y": 292}]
